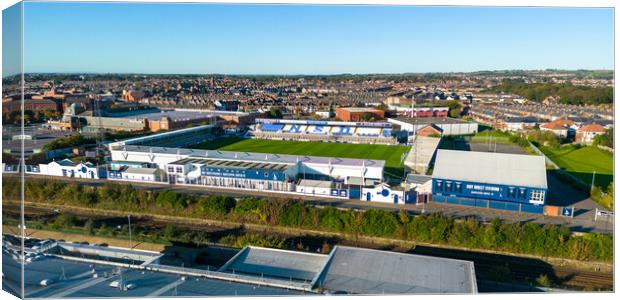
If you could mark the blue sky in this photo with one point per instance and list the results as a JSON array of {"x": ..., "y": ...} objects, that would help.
[{"x": 311, "y": 39}]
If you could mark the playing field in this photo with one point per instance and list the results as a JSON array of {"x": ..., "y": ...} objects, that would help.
[
  {"x": 583, "y": 162},
  {"x": 391, "y": 154}
]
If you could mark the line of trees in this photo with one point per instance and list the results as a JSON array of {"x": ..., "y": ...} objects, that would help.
[
  {"x": 15, "y": 117},
  {"x": 568, "y": 93},
  {"x": 524, "y": 238},
  {"x": 68, "y": 141}
]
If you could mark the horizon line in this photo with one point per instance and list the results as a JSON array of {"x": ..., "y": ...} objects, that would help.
[{"x": 301, "y": 74}]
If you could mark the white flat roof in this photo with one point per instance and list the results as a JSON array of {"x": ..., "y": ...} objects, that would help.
[
  {"x": 315, "y": 183},
  {"x": 366, "y": 271},
  {"x": 289, "y": 265},
  {"x": 491, "y": 168},
  {"x": 251, "y": 156},
  {"x": 143, "y": 171}
]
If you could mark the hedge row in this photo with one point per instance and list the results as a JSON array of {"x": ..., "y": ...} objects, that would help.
[{"x": 523, "y": 238}]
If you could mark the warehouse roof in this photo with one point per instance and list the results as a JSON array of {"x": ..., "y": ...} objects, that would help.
[
  {"x": 283, "y": 264},
  {"x": 367, "y": 271},
  {"x": 492, "y": 168}
]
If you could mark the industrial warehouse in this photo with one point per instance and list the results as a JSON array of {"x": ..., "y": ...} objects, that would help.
[{"x": 60, "y": 269}]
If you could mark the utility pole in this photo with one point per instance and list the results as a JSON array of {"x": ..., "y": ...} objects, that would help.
[{"x": 130, "y": 243}]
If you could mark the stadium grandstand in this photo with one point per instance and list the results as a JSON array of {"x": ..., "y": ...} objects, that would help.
[
  {"x": 178, "y": 138},
  {"x": 328, "y": 131}
]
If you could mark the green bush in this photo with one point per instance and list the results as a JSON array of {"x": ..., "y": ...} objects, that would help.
[
  {"x": 525, "y": 238},
  {"x": 215, "y": 205}
]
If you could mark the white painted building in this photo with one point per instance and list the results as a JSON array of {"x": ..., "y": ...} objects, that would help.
[
  {"x": 449, "y": 126},
  {"x": 383, "y": 193},
  {"x": 67, "y": 168}
]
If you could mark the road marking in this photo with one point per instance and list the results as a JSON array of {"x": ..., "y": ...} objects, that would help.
[{"x": 166, "y": 288}]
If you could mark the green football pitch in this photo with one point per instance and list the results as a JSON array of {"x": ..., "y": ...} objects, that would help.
[
  {"x": 582, "y": 162},
  {"x": 392, "y": 155}
]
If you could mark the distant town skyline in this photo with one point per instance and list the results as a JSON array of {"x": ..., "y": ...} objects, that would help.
[{"x": 306, "y": 39}]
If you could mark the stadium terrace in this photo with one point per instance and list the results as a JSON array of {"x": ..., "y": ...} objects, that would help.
[{"x": 328, "y": 131}]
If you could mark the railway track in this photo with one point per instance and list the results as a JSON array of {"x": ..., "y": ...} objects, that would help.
[{"x": 521, "y": 269}]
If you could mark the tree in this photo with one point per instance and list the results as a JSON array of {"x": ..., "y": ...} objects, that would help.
[
  {"x": 543, "y": 280},
  {"x": 274, "y": 113},
  {"x": 65, "y": 221},
  {"x": 367, "y": 116},
  {"x": 215, "y": 205},
  {"x": 170, "y": 231},
  {"x": 606, "y": 139},
  {"x": 455, "y": 108},
  {"x": 89, "y": 227}
]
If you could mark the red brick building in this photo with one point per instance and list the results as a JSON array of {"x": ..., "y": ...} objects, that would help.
[
  {"x": 358, "y": 114},
  {"x": 33, "y": 105}
]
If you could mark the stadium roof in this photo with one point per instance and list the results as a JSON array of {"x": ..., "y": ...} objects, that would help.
[
  {"x": 367, "y": 271},
  {"x": 431, "y": 120},
  {"x": 175, "y": 115},
  {"x": 231, "y": 164},
  {"x": 250, "y": 156},
  {"x": 492, "y": 168}
]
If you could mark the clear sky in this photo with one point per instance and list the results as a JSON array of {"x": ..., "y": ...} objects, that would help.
[{"x": 311, "y": 39}]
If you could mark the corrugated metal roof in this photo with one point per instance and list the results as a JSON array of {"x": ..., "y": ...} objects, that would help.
[
  {"x": 492, "y": 168},
  {"x": 367, "y": 271},
  {"x": 417, "y": 179}
]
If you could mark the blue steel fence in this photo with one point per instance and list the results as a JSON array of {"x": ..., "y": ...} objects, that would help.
[{"x": 493, "y": 204}]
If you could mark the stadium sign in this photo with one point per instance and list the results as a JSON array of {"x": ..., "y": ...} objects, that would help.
[{"x": 247, "y": 174}]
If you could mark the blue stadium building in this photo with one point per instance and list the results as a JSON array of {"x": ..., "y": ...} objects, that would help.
[{"x": 503, "y": 181}]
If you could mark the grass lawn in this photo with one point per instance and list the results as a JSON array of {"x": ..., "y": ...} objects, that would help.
[
  {"x": 492, "y": 136},
  {"x": 391, "y": 154},
  {"x": 582, "y": 162}
]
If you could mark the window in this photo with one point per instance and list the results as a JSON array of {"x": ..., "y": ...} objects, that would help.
[
  {"x": 522, "y": 193},
  {"x": 537, "y": 197},
  {"x": 448, "y": 186},
  {"x": 179, "y": 169},
  {"x": 438, "y": 185},
  {"x": 458, "y": 186},
  {"x": 170, "y": 169},
  {"x": 266, "y": 174},
  {"x": 511, "y": 192}
]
